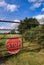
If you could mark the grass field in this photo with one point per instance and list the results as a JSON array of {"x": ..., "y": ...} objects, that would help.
[{"x": 24, "y": 57}]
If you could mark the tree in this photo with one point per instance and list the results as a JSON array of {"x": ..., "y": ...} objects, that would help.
[
  {"x": 27, "y": 23},
  {"x": 12, "y": 31}
]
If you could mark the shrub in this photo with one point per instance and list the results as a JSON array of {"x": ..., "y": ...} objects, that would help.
[
  {"x": 41, "y": 39},
  {"x": 35, "y": 34},
  {"x": 30, "y": 35}
]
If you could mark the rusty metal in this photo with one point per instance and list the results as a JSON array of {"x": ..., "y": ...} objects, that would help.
[
  {"x": 8, "y": 21},
  {"x": 18, "y": 30},
  {"x": 4, "y": 37}
]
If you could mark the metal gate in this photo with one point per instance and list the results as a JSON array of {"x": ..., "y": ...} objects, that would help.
[{"x": 5, "y": 34}]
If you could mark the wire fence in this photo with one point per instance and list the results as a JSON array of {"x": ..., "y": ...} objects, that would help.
[{"x": 5, "y": 34}]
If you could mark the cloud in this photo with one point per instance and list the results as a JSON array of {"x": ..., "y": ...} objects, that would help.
[
  {"x": 11, "y": 7},
  {"x": 15, "y": 25},
  {"x": 42, "y": 9},
  {"x": 36, "y": 5},
  {"x": 1, "y": 31},
  {"x": 2, "y": 27},
  {"x": 3, "y": 4},
  {"x": 40, "y": 18},
  {"x": 8, "y": 7},
  {"x": 31, "y": 0},
  {"x": 35, "y": 1},
  {"x": 17, "y": 20},
  {"x": 10, "y": 25}
]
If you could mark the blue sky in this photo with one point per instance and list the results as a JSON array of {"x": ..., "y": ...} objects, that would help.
[{"x": 19, "y": 9}]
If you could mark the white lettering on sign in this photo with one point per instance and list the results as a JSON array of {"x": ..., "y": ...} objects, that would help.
[{"x": 13, "y": 45}]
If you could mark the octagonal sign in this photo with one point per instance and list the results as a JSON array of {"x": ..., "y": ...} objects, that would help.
[{"x": 13, "y": 46}]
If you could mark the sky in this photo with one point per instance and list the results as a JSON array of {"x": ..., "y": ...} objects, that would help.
[{"x": 17, "y": 10}]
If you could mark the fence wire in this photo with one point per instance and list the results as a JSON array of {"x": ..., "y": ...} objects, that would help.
[{"x": 4, "y": 37}]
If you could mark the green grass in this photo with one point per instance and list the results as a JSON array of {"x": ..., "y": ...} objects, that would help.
[
  {"x": 26, "y": 58},
  {"x": 1, "y": 36}
]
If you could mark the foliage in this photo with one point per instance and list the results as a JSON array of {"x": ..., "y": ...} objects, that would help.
[
  {"x": 27, "y": 23},
  {"x": 12, "y": 31},
  {"x": 35, "y": 34},
  {"x": 41, "y": 39}
]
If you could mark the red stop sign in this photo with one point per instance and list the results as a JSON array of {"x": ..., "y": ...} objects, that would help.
[{"x": 13, "y": 45}]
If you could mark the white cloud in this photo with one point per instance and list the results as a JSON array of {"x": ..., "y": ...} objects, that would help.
[
  {"x": 11, "y": 7},
  {"x": 3, "y": 4},
  {"x": 40, "y": 0},
  {"x": 8, "y": 7},
  {"x": 42, "y": 9},
  {"x": 15, "y": 25},
  {"x": 35, "y": 0},
  {"x": 36, "y": 5},
  {"x": 9, "y": 26},
  {"x": 2, "y": 27},
  {"x": 39, "y": 16},
  {"x": 17, "y": 20},
  {"x": 31, "y": 0},
  {"x": 3, "y": 31}
]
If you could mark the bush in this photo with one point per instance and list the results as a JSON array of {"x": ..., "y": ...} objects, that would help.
[
  {"x": 30, "y": 35},
  {"x": 35, "y": 34},
  {"x": 41, "y": 39}
]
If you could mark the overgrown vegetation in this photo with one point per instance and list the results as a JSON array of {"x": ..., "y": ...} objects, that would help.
[
  {"x": 33, "y": 39},
  {"x": 35, "y": 35}
]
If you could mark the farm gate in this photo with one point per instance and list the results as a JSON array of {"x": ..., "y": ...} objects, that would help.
[{"x": 5, "y": 34}]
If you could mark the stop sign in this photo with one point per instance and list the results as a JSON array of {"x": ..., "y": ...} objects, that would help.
[{"x": 13, "y": 45}]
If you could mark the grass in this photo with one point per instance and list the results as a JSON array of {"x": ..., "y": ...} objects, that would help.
[
  {"x": 23, "y": 58},
  {"x": 26, "y": 58}
]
